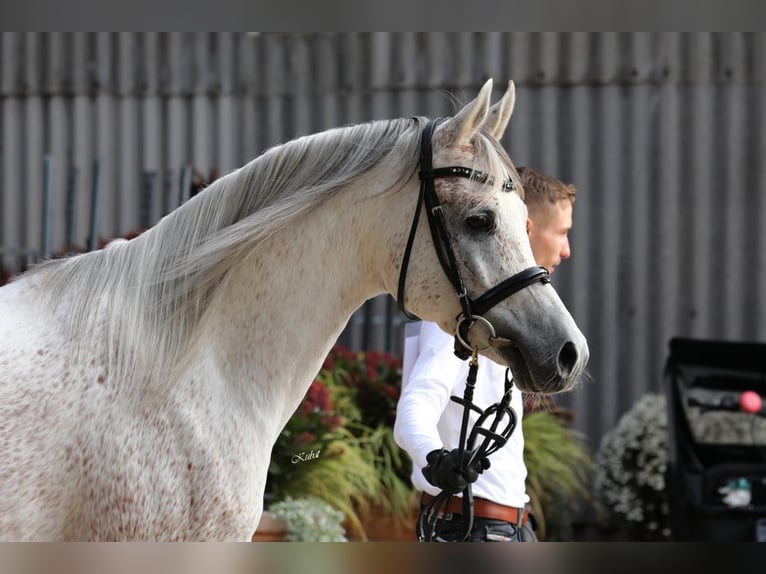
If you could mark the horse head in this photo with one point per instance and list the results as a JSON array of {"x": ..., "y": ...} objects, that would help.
[{"x": 484, "y": 284}]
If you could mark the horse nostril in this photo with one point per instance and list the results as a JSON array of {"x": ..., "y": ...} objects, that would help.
[{"x": 567, "y": 358}]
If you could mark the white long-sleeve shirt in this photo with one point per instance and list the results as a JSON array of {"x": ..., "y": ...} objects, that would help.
[{"x": 426, "y": 418}]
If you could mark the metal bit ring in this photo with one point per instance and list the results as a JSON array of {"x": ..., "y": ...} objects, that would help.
[{"x": 473, "y": 319}]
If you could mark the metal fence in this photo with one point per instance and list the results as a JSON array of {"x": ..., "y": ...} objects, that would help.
[{"x": 662, "y": 133}]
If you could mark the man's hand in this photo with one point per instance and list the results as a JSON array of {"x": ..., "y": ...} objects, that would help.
[{"x": 442, "y": 470}]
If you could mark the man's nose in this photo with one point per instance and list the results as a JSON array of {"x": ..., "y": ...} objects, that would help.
[{"x": 565, "y": 251}]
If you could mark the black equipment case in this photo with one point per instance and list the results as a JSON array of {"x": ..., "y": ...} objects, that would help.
[{"x": 716, "y": 471}]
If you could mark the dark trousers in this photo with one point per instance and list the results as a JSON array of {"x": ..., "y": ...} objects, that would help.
[{"x": 450, "y": 529}]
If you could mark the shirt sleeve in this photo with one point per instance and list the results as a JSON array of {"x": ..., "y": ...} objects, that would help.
[{"x": 434, "y": 376}]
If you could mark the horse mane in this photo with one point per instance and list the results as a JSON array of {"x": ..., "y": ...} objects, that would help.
[{"x": 154, "y": 289}]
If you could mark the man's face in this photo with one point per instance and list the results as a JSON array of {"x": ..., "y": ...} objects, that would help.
[{"x": 548, "y": 227}]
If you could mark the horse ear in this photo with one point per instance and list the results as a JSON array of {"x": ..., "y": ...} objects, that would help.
[
  {"x": 468, "y": 120},
  {"x": 500, "y": 113}
]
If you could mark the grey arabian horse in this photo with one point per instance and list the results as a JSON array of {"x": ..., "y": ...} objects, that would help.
[{"x": 142, "y": 386}]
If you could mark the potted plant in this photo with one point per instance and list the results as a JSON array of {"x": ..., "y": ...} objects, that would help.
[
  {"x": 629, "y": 480},
  {"x": 558, "y": 466},
  {"x": 338, "y": 446},
  {"x": 317, "y": 456},
  {"x": 309, "y": 520},
  {"x": 374, "y": 378}
]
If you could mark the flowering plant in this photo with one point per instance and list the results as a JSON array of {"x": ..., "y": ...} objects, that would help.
[
  {"x": 629, "y": 481},
  {"x": 310, "y": 520},
  {"x": 338, "y": 446},
  {"x": 558, "y": 465},
  {"x": 314, "y": 425},
  {"x": 375, "y": 379}
]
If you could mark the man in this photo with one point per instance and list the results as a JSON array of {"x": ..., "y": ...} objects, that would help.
[
  {"x": 428, "y": 423},
  {"x": 549, "y": 204}
]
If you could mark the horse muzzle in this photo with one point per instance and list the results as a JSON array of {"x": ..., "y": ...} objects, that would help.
[{"x": 560, "y": 373}]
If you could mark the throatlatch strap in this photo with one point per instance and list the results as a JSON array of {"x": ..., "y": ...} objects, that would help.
[
  {"x": 406, "y": 260},
  {"x": 425, "y": 164}
]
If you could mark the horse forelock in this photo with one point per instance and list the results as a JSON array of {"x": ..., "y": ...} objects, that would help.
[{"x": 152, "y": 291}]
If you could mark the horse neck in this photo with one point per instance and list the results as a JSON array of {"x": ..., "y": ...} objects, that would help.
[{"x": 281, "y": 310}]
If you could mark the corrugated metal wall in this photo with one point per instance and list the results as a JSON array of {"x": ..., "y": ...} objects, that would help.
[{"x": 663, "y": 134}]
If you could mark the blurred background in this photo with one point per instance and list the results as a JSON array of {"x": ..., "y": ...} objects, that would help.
[{"x": 663, "y": 134}]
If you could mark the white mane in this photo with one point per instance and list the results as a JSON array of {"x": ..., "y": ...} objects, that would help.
[
  {"x": 155, "y": 288},
  {"x": 165, "y": 278}
]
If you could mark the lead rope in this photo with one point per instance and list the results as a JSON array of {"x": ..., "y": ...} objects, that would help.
[{"x": 428, "y": 525}]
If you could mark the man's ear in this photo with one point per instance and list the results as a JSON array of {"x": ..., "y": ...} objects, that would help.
[{"x": 529, "y": 225}]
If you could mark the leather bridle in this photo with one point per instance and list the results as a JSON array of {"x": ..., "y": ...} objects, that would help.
[{"x": 472, "y": 309}]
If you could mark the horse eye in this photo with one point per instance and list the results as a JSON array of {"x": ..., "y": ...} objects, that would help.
[{"x": 484, "y": 222}]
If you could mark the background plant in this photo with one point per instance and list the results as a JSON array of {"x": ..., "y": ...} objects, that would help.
[
  {"x": 310, "y": 520},
  {"x": 346, "y": 418},
  {"x": 336, "y": 466},
  {"x": 374, "y": 378},
  {"x": 629, "y": 479},
  {"x": 558, "y": 467}
]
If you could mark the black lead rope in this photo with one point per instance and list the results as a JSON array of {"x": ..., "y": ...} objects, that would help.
[{"x": 491, "y": 440}]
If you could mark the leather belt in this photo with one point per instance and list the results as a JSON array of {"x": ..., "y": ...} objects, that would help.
[{"x": 485, "y": 509}]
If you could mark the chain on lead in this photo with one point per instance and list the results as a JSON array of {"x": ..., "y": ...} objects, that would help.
[{"x": 474, "y": 357}]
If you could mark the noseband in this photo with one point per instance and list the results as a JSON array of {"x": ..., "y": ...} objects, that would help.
[{"x": 472, "y": 309}]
